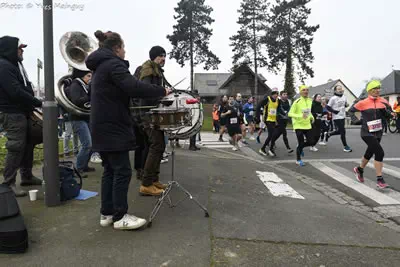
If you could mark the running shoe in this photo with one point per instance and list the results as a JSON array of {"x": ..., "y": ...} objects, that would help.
[
  {"x": 347, "y": 149},
  {"x": 262, "y": 152},
  {"x": 381, "y": 184},
  {"x": 300, "y": 163},
  {"x": 359, "y": 174}
]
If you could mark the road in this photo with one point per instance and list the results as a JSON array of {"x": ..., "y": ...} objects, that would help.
[{"x": 263, "y": 212}]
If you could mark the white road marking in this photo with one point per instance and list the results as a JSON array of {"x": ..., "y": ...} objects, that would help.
[
  {"x": 369, "y": 182},
  {"x": 326, "y": 160},
  {"x": 277, "y": 186},
  {"x": 218, "y": 146},
  {"x": 388, "y": 169},
  {"x": 373, "y": 194}
]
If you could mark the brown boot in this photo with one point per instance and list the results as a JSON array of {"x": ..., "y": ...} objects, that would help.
[
  {"x": 160, "y": 185},
  {"x": 150, "y": 191}
]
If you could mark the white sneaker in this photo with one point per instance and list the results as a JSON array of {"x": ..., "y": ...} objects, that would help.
[
  {"x": 314, "y": 149},
  {"x": 95, "y": 159},
  {"x": 322, "y": 143},
  {"x": 106, "y": 220},
  {"x": 129, "y": 222},
  {"x": 234, "y": 148},
  {"x": 252, "y": 138},
  {"x": 164, "y": 160}
]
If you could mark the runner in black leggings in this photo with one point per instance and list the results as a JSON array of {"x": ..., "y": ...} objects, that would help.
[
  {"x": 374, "y": 110},
  {"x": 337, "y": 105}
]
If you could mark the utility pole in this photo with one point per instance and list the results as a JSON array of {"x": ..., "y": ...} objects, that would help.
[
  {"x": 50, "y": 113},
  {"x": 39, "y": 67}
]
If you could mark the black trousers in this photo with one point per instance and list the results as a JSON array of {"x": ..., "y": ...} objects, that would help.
[
  {"x": 316, "y": 131},
  {"x": 324, "y": 129},
  {"x": 192, "y": 141},
  {"x": 340, "y": 130},
  {"x": 19, "y": 147},
  {"x": 280, "y": 130},
  {"x": 115, "y": 183},
  {"x": 216, "y": 126},
  {"x": 300, "y": 134},
  {"x": 142, "y": 148},
  {"x": 271, "y": 128},
  {"x": 151, "y": 169}
]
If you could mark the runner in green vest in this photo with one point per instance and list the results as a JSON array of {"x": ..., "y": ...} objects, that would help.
[{"x": 300, "y": 112}]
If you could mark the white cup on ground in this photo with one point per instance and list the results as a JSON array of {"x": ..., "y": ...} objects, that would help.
[{"x": 33, "y": 194}]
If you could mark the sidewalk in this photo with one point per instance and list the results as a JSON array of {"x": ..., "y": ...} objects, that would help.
[{"x": 247, "y": 226}]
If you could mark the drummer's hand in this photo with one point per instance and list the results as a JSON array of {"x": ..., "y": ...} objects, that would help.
[{"x": 168, "y": 90}]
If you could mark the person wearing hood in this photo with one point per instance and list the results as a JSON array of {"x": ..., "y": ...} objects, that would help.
[
  {"x": 337, "y": 105},
  {"x": 111, "y": 124},
  {"x": 79, "y": 94},
  {"x": 17, "y": 102},
  {"x": 317, "y": 112}
]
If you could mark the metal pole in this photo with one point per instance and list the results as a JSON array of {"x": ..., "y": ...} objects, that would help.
[
  {"x": 50, "y": 113},
  {"x": 38, "y": 81}
]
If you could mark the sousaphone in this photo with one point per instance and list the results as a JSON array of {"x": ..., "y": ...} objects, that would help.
[{"x": 75, "y": 47}]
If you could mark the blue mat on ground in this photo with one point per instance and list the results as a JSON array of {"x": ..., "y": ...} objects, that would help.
[{"x": 84, "y": 194}]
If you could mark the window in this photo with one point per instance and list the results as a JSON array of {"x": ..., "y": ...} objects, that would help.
[{"x": 212, "y": 82}]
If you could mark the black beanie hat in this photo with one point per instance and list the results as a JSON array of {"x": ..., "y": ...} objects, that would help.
[
  {"x": 79, "y": 73},
  {"x": 156, "y": 51}
]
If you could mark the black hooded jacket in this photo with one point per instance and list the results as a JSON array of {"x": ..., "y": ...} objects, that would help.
[
  {"x": 112, "y": 88},
  {"x": 15, "y": 97}
]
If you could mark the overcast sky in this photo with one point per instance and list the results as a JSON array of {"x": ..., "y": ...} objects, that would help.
[{"x": 357, "y": 39}]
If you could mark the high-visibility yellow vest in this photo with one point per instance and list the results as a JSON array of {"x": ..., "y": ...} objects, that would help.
[{"x": 270, "y": 110}]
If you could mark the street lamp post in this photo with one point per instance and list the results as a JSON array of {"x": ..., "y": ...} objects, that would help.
[{"x": 50, "y": 113}]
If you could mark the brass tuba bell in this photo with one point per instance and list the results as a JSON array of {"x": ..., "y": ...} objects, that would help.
[{"x": 75, "y": 47}]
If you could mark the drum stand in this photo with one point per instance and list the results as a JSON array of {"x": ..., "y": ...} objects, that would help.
[{"x": 171, "y": 184}]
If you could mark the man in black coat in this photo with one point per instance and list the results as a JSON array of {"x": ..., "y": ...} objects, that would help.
[
  {"x": 111, "y": 125},
  {"x": 17, "y": 102}
]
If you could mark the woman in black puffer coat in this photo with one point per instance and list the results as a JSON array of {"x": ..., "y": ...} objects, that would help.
[{"x": 112, "y": 88}]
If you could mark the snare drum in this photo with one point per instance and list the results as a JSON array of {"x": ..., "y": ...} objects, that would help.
[
  {"x": 36, "y": 127},
  {"x": 169, "y": 118},
  {"x": 195, "y": 114}
]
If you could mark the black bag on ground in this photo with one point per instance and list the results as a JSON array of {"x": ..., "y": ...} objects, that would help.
[
  {"x": 69, "y": 186},
  {"x": 13, "y": 233}
]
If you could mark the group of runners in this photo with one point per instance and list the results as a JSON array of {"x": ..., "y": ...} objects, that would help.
[{"x": 311, "y": 120}]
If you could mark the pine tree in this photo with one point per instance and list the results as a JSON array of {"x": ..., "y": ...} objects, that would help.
[
  {"x": 289, "y": 40},
  {"x": 247, "y": 45},
  {"x": 190, "y": 38}
]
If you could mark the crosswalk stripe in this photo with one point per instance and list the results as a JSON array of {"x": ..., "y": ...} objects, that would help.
[
  {"x": 369, "y": 182},
  {"x": 373, "y": 194},
  {"x": 388, "y": 169},
  {"x": 219, "y": 146},
  {"x": 277, "y": 186}
]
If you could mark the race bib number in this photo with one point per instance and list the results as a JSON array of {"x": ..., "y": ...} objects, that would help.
[
  {"x": 233, "y": 120},
  {"x": 251, "y": 113},
  {"x": 272, "y": 111},
  {"x": 374, "y": 126},
  {"x": 306, "y": 111}
]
